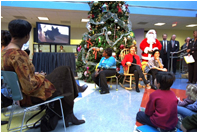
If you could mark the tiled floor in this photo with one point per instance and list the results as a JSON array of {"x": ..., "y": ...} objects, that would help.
[{"x": 113, "y": 112}]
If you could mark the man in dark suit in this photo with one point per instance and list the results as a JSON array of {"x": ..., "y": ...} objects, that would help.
[
  {"x": 165, "y": 51},
  {"x": 192, "y": 67},
  {"x": 174, "y": 47}
]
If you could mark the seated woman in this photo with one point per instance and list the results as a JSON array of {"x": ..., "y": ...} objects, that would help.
[
  {"x": 106, "y": 68},
  {"x": 133, "y": 61},
  {"x": 37, "y": 88},
  {"x": 154, "y": 66},
  {"x": 161, "y": 109}
]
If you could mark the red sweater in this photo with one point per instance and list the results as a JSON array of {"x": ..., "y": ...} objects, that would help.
[
  {"x": 129, "y": 58},
  {"x": 162, "y": 109}
]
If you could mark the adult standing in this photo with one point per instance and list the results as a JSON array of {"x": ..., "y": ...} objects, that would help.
[
  {"x": 174, "y": 47},
  {"x": 165, "y": 51},
  {"x": 149, "y": 44},
  {"x": 192, "y": 67},
  {"x": 184, "y": 53}
]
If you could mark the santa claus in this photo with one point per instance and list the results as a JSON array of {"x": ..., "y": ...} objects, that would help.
[{"x": 149, "y": 44}]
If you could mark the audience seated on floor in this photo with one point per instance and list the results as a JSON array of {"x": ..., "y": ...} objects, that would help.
[
  {"x": 160, "y": 112},
  {"x": 188, "y": 106}
]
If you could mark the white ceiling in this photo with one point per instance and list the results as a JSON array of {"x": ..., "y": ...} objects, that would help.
[{"x": 74, "y": 18}]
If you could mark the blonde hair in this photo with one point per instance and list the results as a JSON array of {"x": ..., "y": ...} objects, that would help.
[{"x": 191, "y": 91}]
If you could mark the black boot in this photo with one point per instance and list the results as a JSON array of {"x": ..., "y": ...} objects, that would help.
[
  {"x": 137, "y": 89},
  {"x": 82, "y": 88},
  {"x": 145, "y": 81},
  {"x": 153, "y": 87},
  {"x": 104, "y": 91},
  {"x": 4, "y": 122},
  {"x": 70, "y": 118}
]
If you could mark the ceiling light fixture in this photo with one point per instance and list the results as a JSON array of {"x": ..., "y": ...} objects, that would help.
[
  {"x": 43, "y": 18},
  {"x": 159, "y": 24},
  {"x": 191, "y": 25},
  {"x": 84, "y": 20}
]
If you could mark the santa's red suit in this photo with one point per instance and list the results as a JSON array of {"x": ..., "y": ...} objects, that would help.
[{"x": 148, "y": 48}]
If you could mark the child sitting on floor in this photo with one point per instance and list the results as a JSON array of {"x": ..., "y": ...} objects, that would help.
[
  {"x": 188, "y": 106},
  {"x": 161, "y": 109},
  {"x": 191, "y": 92}
]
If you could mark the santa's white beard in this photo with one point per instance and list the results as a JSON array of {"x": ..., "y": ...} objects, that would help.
[{"x": 150, "y": 39}]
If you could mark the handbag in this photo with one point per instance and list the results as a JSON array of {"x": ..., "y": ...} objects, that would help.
[{"x": 48, "y": 121}]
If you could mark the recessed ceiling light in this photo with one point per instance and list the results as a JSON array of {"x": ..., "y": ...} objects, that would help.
[
  {"x": 84, "y": 20},
  {"x": 191, "y": 25},
  {"x": 43, "y": 18},
  {"x": 159, "y": 24}
]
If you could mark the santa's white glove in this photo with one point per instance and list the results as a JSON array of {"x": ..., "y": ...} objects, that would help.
[{"x": 147, "y": 49}]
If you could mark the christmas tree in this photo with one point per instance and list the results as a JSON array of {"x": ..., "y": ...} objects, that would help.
[{"x": 109, "y": 26}]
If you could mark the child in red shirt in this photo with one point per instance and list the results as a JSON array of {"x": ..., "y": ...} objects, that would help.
[{"x": 161, "y": 109}]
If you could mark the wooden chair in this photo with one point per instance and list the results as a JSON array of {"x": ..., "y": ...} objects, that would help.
[
  {"x": 114, "y": 76},
  {"x": 131, "y": 78}
]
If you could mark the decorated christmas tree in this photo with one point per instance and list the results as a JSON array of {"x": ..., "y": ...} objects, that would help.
[{"x": 109, "y": 26}]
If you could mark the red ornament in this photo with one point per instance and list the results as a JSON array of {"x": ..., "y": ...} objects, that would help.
[
  {"x": 119, "y": 8},
  {"x": 121, "y": 46},
  {"x": 118, "y": 69}
]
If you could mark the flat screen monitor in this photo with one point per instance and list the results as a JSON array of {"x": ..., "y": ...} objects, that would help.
[{"x": 53, "y": 33}]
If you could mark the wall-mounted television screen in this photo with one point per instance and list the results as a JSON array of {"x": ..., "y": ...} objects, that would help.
[{"x": 53, "y": 33}]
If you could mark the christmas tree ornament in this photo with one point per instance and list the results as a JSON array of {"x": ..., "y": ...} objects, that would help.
[
  {"x": 109, "y": 33},
  {"x": 118, "y": 27},
  {"x": 101, "y": 49},
  {"x": 134, "y": 42},
  {"x": 79, "y": 48},
  {"x": 125, "y": 40},
  {"x": 89, "y": 43},
  {"x": 115, "y": 20},
  {"x": 95, "y": 3},
  {"x": 99, "y": 39},
  {"x": 114, "y": 54},
  {"x": 105, "y": 8},
  {"x": 88, "y": 25},
  {"x": 85, "y": 46},
  {"x": 121, "y": 46},
  {"x": 119, "y": 8},
  {"x": 114, "y": 48},
  {"x": 128, "y": 37},
  {"x": 124, "y": 8},
  {"x": 132, "y": 34},
  {"x": 87, "y": 68},
  {"x": 86, "y": 74}
]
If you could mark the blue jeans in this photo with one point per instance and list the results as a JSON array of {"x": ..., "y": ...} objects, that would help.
[
  {"x": 144, "y": 119},
  {"x": 184, "y": 111}
]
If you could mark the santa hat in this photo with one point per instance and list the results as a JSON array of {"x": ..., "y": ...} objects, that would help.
[{"x": 151, "y": 31}]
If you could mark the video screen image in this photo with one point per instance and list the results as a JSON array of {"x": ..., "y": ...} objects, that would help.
[{"x": 53, "y": 33}]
